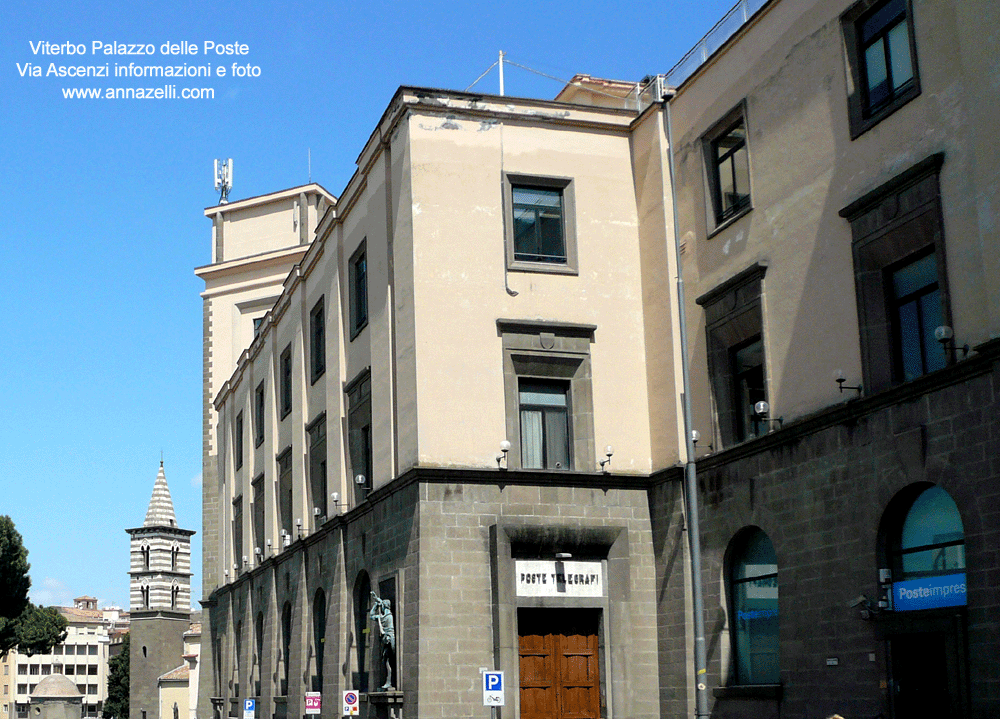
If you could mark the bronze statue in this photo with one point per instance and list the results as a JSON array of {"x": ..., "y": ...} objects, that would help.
[{"x": 381, "y": 613}]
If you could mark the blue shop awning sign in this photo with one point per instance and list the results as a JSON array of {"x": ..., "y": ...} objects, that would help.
[{"x": 929, "y": 593}]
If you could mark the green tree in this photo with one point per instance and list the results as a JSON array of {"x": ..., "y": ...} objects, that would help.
[
  {"x": 116, "y": 706},
  {"x": 34, "y": 630}
]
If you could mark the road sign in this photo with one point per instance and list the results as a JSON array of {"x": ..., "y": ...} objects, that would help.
[
  {"x": 314, "y": 702},
  {"x": 249, "y": 708},
  {"x": 493, "y": 689},
  {"x": 350, "y": 703}
]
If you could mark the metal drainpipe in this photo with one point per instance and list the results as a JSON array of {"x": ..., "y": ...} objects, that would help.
[{"x": 690, "y": 471}]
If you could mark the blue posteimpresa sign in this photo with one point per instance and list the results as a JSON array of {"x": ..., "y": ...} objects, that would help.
[{"x": 929, "y": 593}]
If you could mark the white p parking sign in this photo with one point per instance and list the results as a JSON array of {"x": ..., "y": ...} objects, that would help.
[
  {"x": 493, "y": 689},
  {"x": 249, "y": 708}
]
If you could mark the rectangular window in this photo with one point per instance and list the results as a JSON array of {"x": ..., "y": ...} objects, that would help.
[
  {"x": 881, "y": 57},
  {"x": 317, "y": 340},
  {"x": 238, "y": 532},
  {"x": 238, "y": 441},
  {"x": 736, "y": 362},
  {"x": 46, "y": 669},
  {"x": 91, "y": 669},
  {"x": 285, "y": 492},
  {"x": 900, "y": 277},
  {"x": 915, "y": 312},
  {"x": 285, "y": 386},
  {"x": 727, "y": 163},
  {"x": 547, "y": 394},
  {"x": 544, "y": 424},
  {"x": 540, "y": 232},
  {"x": 258, "y": 512},
  {"x": 359, "y": 429},
  {"x": 257, "y": 324},
  {"x": 33, "y": 670},
  {"x": 317, "y": 465},
  {"x": 732, "y": 172},
  {"x": 258, "y": 415},
  {"x": 358, "y": 287},
  {"x": 748, "y": 387}
]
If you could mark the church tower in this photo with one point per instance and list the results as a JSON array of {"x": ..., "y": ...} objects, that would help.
[{"x": 160, "y": 599}]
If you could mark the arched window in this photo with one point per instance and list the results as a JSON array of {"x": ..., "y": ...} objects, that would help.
[
  {"x": 753, "y": 606},
  {"x": 924, "y": 541},
  {"x": 237, "y": 652},
  {"x": 175, "y": 550},
  {"x": 286, "y": 646},
  {"x": 145, "y": 556},
  {"x": 362, "y": 602},
  {"x": 319, "y": 636},
  {"x": 258, "y": 648},
  {"x": 144, "y": 592}
]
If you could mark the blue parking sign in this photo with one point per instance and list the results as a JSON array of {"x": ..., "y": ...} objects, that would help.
[
  {"x": 249, "y": 708},
  {"x": 493, "y": 694}
]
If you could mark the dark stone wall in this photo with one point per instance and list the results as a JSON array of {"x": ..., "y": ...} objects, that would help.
[
  {"x": 156, "y": 647},
  {"x": 820, "y": 488}
]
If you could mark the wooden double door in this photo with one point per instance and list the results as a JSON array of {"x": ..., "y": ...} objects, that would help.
[{"x": 559, "y": 663}]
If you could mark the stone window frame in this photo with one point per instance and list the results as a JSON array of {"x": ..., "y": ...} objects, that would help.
[
  {"x": 238, "y": 441},
  {"x": 238, "y": 533},
  {"x": 260, "y": 399},
  {"x": 285, "y": 485},
  {"x": 258, "y": 513},
  {"x": 316, "y": 433},
  {"x": 357, "y": 287},
  {"x": 550, "y": 351},
  {"x": 714, "y": 215},
  {"x": 733, "y": 316},
  {"x": 898, "y": 220},
  {"x": 359, "y": 418},
  {"x": 567, "y": 186},
  {"x": 860, "y": 118},
  {"x": 285, "y": 381},
  {"x": 317, "y": 340}
]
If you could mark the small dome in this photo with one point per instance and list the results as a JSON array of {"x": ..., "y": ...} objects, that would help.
[{"x": 56, "y": 685}]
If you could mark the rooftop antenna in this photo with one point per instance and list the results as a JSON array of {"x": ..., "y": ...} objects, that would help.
[
  {"x": 501, "y": 72},
  {"x": 223, "y": 179}
]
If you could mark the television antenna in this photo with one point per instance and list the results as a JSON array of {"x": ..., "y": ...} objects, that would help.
[{"x": 223, "y": 179}]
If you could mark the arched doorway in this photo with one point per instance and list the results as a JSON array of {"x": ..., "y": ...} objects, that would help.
[{"x": 922, "y": 555}]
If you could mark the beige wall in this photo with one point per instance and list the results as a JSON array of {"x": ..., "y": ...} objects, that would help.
[
  {"x": 459, "y": 262},
  {"x": 789, "y": 70}
]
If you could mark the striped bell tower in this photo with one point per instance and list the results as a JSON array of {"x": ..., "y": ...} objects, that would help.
[{"x": 159, "y": 598}]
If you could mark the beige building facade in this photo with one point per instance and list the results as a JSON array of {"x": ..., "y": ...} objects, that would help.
[{"x": 457, "y": 386}]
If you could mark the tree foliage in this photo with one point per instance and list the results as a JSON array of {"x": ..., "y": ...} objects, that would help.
[
  {"x": 34, "y": 630},
  {"x": 116, "y": 706},
  {"x": 14, "y": 580}
]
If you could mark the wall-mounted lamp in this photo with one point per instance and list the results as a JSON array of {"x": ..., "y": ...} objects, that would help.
[
  {"x": 695, "y": 437},
  {"x": 761, "y": 410},
  {"x": 564, "y": 555},
  {"x": 335, "y": 498},
  {"x": 502, "y": 457},
  {"x": 946, "y": 336},
  {"x": 317, "y": 512},
  {"x": 298, "y": 527},
  {"x": 606, "y": 463},
  {"x": 246, "y": 560},
  {"x": 839, "y": 377},
  {"x": 258, "y": 552},
  {"x": 226, "y": 574},
  {"x": 359, "y": 479}
]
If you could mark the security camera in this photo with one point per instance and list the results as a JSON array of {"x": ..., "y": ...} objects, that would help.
[{"x": 859, "y": 601}]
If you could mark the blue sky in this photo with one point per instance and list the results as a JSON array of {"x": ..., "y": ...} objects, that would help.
[{"x": 101, "y": 218}]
